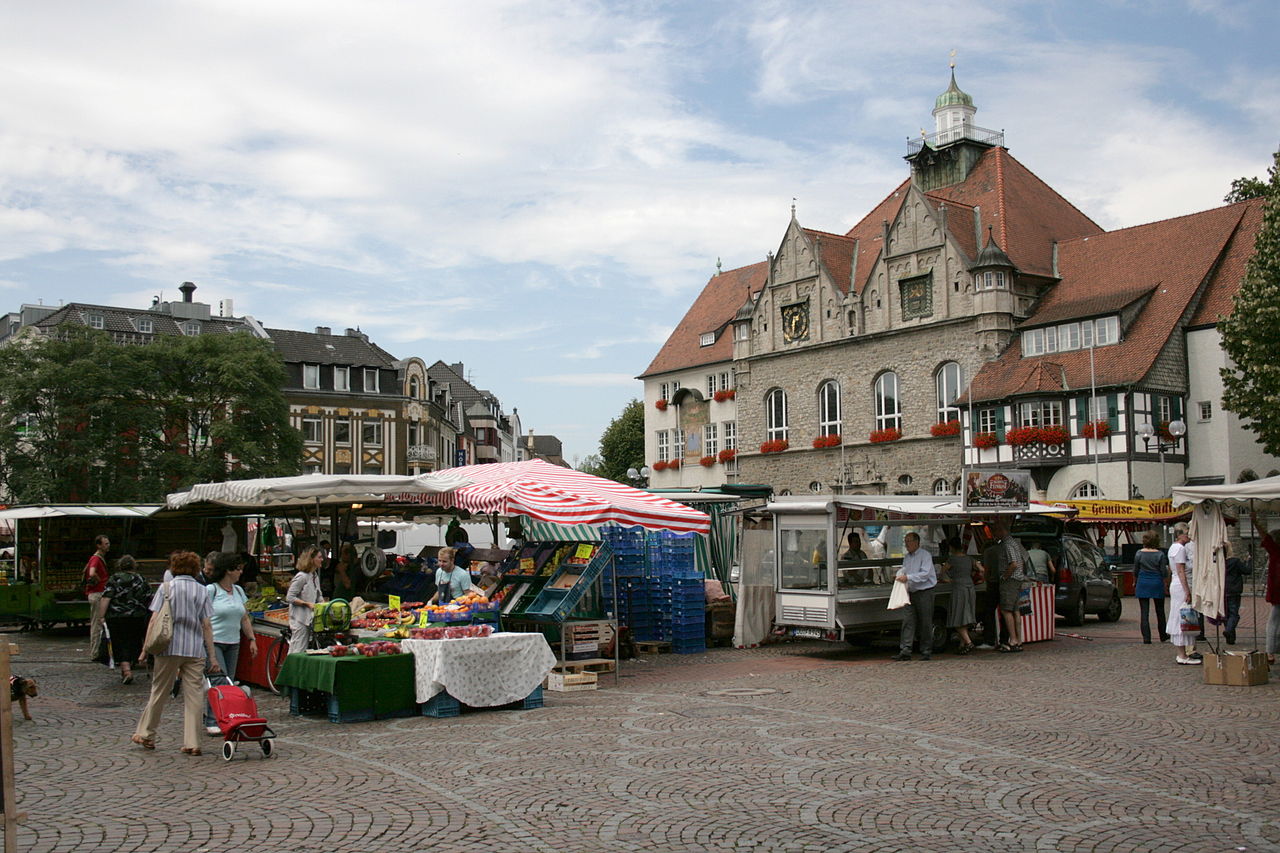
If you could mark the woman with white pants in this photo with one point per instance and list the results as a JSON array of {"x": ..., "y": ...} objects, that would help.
[{"x": 302, "y": 597}]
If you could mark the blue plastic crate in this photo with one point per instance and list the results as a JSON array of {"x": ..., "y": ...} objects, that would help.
[
  {"x": 440, "y": 705},
  {"x": 681, "y": 649}
]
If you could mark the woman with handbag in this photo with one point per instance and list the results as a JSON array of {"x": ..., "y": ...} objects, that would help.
[
  {"x": 184, "y": 605},
  {"x": 1183, "y": 620},
  {"x": 1152, "y": 567}
]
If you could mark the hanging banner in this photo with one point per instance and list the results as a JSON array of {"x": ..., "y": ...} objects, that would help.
[
  {"x": 1101, "y": 512},
  {"x": 992, "y": 489}
]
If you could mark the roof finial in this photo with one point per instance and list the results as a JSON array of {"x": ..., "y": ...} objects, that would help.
[
  {"x": 718, "y": 267},
  {"x": 953, "y": 58},
  {"x": 793, "y": 207}
]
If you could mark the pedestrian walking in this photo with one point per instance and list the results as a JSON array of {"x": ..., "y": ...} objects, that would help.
[
  {"x": 1271, "y": 544},
  {"x": 230, "y": 620},
  {"x": 124, "y": 608},
  {"x": 921, "y": 579},
  {"x": 95, "y": 581},
  {"x": 1152, "y": 568}
]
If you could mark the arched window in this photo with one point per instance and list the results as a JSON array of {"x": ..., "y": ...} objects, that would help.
[
  {"x": 1085, "y": 490},
  {"x": 829, "y": 408},
  {"x": 941, "y": 487},
  {"x": 947, "y": 380},
  {"x": 775, "y": 413},
  {"x": 888, "y": 408},
  {"x": 413, "y": 387}
]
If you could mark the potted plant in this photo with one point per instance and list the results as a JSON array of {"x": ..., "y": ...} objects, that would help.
[
  {"x": 985, "y": 440},
  {"x": 707, "y": 461},
  {"x": 721, "y": 396},
  {"x": 879, "y": 436},
  {"x": 948, "y": 428},
  {"x": 661, "y": 404},
  {"x": 1096, "y": 429},
  {"x": 660, "y": 465},
  {"x": 832, "y": 440},
  {"x": 673, "y": 464},
  {"x": 728, "y": 454},
  {"x": 777, "y": 445}
]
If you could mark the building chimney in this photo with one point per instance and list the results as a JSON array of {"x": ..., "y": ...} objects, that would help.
[
  {"x": 226, "y": 308},
  {"x": 324, "y": 330},
  {"x": 187, "y": 289}
]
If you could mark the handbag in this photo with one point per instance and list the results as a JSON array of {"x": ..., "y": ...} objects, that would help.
[
  {"x": 1024, "y": 601},
  {"x": 160, "y": 629},
  {"x": 898, "y": 597},
  {"x": 1189, "y": 620}
]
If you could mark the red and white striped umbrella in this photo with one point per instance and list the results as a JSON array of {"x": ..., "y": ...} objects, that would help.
[{"x": 559, "y": 495}]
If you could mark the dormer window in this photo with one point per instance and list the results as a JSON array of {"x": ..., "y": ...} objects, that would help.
[
  {"x": 191, "y": 329},
  {"x": 989, "y": 280},
  {"x": 96, "y": 321},
  {"x": 1071, "y": 336},
  {"x": 707, "y": 339},
  {"x": 145, "y": 325}
]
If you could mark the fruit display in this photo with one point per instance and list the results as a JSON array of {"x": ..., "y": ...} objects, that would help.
[
  {"x": 451, "y": 632},
  {"x": 366, "y": 649}
]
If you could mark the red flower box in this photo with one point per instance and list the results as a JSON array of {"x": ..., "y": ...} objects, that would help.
[
  {"x": 1164, "y": 433},
  {"x": 673, "y": 464},
  {"x": 879, "y": 436},
  {"x": 776, "y": 446},
  {"x": 1036, "y": 435},
  {"x": 951, "y": 427},
  {"x": 721, "y": 396},
  {"x": 659, "y": 465},
  {"x": 1096, "y": 429},
  {"x": 827, "y": 440},
  {"x": 985, "y": 440},
  {"x": 707, "y": 461},
  {"x": 728, "y": 454},
  {"x": 661, "y": 405}
]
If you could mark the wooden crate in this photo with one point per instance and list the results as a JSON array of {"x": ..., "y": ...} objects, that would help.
[
  {"x": 589, "y": 665},
  {"x": 569, "y": 682}
]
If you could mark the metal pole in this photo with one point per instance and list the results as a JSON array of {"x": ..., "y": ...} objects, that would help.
[
  {"x": 1164, "y": 482},
  {"x": 1093, "y": 396}
]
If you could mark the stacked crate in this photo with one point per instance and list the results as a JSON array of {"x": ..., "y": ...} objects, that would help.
[
  {"x": 629, "y": 554},
  {"x": 660, "y": 592}
]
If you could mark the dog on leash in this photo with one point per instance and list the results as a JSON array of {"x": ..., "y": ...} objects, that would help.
[{"x": 20, "y": 689}]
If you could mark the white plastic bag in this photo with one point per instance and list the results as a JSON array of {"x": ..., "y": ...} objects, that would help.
[{"x": 898, "y": 598}]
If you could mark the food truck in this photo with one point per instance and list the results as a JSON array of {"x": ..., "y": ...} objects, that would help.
[{"x": 822, "y": 593}]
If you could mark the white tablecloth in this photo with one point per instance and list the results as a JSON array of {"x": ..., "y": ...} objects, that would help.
[{"x": 481, "y": 671}]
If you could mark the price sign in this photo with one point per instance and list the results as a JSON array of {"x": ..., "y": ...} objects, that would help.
[
  {"x": 424, "y": 619},
  {"x": 526, "y": 565},
  {"x": 585, "y": 551},
  {"x": 393, "y": 602}
]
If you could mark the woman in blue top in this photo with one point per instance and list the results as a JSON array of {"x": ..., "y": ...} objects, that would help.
[
  {"x": 451, "y": 581},
  {"x": 230, "y": 620},
  {"x": 1151, "y": 564}
]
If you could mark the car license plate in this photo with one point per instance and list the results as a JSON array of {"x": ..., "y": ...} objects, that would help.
[{"x": 809, "y": 633}]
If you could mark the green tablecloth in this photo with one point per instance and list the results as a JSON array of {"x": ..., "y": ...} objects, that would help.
[{"x": 384, "y": 683}]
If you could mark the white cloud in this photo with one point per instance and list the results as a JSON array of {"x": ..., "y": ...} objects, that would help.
[{"x": 587, "y": 380}]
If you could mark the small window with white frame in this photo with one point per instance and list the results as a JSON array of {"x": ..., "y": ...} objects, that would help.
[
  {"x": 829, "y": 419},
  {"x": 706, "y": 339},
  {"x": 1086, "y": 489},
  {"x": 371, "y": 432},
  {"x": 371, "y": 380},
  {"x": 342, "y": 431},
  {"x": 664, "y": 445},
  {"x": 1206, "y": 410},
  {"x": 711, "y": 385},
  {"x": 341, "y": 378},
  {"x": 310, "y": 376},
  {"x": 145, "y": 325},
  {"x": 941, "y": 487},
  {"x": 191, "y": 330},
  {"x": 710, "y": 440},
  {"x": 726, "y": 380},
  {"x": 97, "y": 321},
  {"x": 730, "y": 435},
  {"x": 311, "y": 430}
]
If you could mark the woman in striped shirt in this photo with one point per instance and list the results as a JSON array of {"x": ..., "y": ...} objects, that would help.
[{"x": 189, "y": 651}]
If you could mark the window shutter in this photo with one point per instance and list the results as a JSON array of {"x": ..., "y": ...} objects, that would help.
[
  {"x": 1113, "y": 412},
  {"x": 1175, "y": 408},
  {"x": 1000, "y": 423}
]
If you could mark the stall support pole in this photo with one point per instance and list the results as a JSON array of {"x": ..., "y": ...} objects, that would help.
[
  {"x": 617, "y": 625},
  {"x": 8, "y": 789}
]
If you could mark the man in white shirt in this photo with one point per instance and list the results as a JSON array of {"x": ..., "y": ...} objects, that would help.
[{"x": 922, "y": 580}]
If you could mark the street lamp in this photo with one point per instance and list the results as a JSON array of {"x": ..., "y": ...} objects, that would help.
[
  {"x": 1177, "y": 429},
  {"x": 640, "y": 476}
]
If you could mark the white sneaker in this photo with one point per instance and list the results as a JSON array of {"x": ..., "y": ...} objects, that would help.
[
  {"x": 1185, "y": 661},
  {"x": 212, "y": 731}
]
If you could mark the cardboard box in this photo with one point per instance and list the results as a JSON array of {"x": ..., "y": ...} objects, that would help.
[{"x": 1239, "y": 669}]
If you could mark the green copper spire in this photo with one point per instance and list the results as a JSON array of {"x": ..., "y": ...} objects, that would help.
[{"x": 953, "y": 96}]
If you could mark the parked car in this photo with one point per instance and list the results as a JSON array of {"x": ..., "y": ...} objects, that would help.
[{"x": 1082, "y": 582}]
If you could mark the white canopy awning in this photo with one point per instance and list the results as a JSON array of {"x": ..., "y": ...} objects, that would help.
[
  {"x": 19, "y": 513},
  {"x": 312, "y": 489},
  {"x": 1267, "y": 489}
]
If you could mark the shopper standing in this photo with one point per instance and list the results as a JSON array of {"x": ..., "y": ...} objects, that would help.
[
  {"x": 961, "y": 571},
  {"x": 1152, "y": 567},
  {"x": 1180, "y": 597},
  {"x": 1271, "y": 544},
  {"x": 994, "y": 562},
  {"x": 230, "y": 621},
  {"x": 302, "y": 597},
  {"x": 918, "y": 574},
  {"x": 95, "y": 581},
  {"x": 1236, "y": 571}
]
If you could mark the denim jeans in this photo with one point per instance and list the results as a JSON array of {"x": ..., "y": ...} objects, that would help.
[
  {"x": 1233, "y": 615},
  {"x": 228, "y": 656},
  {"x": 1146, "y": 623}
]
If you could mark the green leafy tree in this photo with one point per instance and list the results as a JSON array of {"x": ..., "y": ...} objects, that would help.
[
  {"x": 1243, "y": 189},
  {"x": 1251, "y": 335},
  {"x": 622, "y": 444},
  {"x": 85, "y": 419},
  {"x": 589, "y": 464}
]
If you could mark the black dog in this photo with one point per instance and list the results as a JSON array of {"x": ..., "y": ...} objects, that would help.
[{"x": 19, "y": 689}]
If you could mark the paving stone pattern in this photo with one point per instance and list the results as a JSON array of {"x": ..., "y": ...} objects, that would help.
[{"x": 1101, "y": 744}]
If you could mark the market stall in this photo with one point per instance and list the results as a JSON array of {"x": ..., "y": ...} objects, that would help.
[{"x": 480, "y": 672}]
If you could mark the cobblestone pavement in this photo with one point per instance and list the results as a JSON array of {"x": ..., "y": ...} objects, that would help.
[{"x": 1099, "y": 744}]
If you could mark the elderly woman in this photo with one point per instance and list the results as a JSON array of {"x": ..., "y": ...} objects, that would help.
[
  {"x": 124, "y": 606},
  {"x": 190, "y": 650}
]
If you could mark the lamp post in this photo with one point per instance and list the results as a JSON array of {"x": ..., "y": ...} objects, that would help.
[
  {"x": 639, "y": 476},
  {"x": 1177, "y": 429}
]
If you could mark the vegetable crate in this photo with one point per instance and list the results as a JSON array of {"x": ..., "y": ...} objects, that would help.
[{"x": 569, "y": 585}]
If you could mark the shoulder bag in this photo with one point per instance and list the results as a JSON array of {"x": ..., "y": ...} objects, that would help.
[{"x": 160, "y": 629}]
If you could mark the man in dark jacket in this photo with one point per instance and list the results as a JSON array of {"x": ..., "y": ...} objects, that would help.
[{"x": 1237, "y": 570}]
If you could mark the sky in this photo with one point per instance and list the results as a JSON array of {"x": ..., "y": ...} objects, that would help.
[{"x": 540, "y": 189}]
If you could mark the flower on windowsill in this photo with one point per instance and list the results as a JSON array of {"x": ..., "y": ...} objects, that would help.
[
  {"x": 832, "y": 440},
  {"x": 948, "y": 428},
  {"x": 661, "y": 405},
  {"x": 707, "y": 461},
  {"x": 660, "y": 465},
  {"x": 775, "y": 446},
  {"x": 1096, "y": 429},
  {"x": 1163, "y": 431},
  {"x": 879, "y": 436},
  {"x": 673, "y": 464},
  {"x": 985, "y": 440},
  {"x": 728, "y": 454},
  {"x": 721, "y": 396},
  {"x": 1036, "y": 435}
]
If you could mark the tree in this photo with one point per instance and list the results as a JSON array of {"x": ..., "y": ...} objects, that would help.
[
  {"x": 622, "y": 444},
  {"x": 1243, "y": 189},
  {"x": 589, "y": 464},
  {"x": 84, "y": 419},
  {"x": 1251, "y": 335}
]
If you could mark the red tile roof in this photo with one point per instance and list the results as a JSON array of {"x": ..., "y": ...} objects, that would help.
[
  {"x": 1218, "y": 300},
  {"x": 1027, "y": 214},
  {"x": 1169, "y": 259},
  {"x": 835, "y": 252},
  {"x": 711, "y": 312},
  {"x": 869, "y": 234}
]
